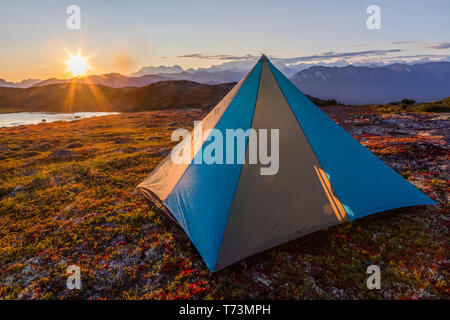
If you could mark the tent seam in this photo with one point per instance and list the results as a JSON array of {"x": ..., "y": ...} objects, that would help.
[{"x": 240, "y": 171}]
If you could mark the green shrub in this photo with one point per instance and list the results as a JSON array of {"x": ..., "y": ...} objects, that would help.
[
  {"x": 434, "y": 108},
  {"x": 408, "y": 102}
]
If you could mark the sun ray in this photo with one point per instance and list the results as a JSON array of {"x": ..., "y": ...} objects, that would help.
[{"x": 98, "y": 95}]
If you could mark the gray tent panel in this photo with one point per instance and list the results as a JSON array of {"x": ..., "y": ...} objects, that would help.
[{"x": 272, "y": 209}]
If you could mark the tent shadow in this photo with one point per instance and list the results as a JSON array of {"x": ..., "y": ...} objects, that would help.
[
  {"x": 291, "y": 246},
  {"x": 317, "y": 237}
]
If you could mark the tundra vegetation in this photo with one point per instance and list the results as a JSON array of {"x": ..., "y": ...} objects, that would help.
[{"x": 67, "y": 197}]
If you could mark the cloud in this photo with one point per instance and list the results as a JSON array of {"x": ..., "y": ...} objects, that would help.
[
  {"x": 333, "y": 55},
  {"x": 401, "y": 42},
  {"x": 442, "y": 45},
  {"x": 324, "y": 56},
  {"x": 431, "y": 56},
  {"x": 218, "y": 57}
]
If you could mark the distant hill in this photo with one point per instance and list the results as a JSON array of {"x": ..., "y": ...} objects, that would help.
[
  {"x": 114, "y": 80},
  {"x": 410, "y": 106},
  {"x": 178, "y": 94},
  {"x": 367, "y": 85},
  {"x": 71, "y": 97},
  {"x": 22, "y": 84}
]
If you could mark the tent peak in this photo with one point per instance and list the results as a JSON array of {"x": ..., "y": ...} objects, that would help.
[{"x": 263, "y": 58}]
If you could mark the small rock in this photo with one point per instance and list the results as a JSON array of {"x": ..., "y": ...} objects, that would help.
[
  {"x": 43, "y": 147},
  {"x": 30, "y": 172},
  {"x": 16, "y": 189},
  {"x": 29, "y": 154},
  {"x": 74, "y": 145},
  {"x": 129, "y": 150},
  {"x": 160, "y": 153},
  {"x": 61, "y": 154},
  {"x": 151, "y": 254},
  {"x": 122, "y": 140}
]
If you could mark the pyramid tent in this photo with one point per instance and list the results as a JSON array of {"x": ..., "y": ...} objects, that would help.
[{"x": 325, "y": 177}]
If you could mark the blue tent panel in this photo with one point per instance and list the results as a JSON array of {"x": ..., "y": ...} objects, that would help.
[
  {"x": 202, "y": 199},
  {"x": 363, "y": 183}
]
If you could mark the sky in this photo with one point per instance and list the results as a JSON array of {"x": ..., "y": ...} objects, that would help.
[{"x": 123, "y": 36}]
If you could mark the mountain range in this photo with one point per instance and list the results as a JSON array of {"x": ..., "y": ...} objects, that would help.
[
  {"x": 230, "y": 71},
  {"x": 375, "y": 85},
  {"x": 350, "y": 84},
  {"x": 114, "y": 80}
]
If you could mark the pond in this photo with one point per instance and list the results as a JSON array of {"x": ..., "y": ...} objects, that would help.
[{"x": 24, "y": 118}]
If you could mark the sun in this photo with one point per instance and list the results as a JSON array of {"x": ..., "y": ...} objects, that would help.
[{"x": 77, "y": 65}]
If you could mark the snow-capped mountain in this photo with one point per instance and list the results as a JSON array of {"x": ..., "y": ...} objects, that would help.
[
  {"x": 366, "y": 85},
  {"x": 156, "y": 70}
]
